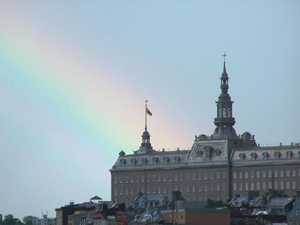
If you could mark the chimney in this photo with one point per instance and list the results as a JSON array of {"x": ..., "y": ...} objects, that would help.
[{"x": 265, "y": 200}]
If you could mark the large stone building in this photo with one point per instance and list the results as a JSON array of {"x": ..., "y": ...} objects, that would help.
[{"x": 217, "y": 166}]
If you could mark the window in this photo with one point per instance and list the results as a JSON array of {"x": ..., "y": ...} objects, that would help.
[
  {"x": 246, "y": 174},
  {"x": 257, "y": 185},
  {"x": 252, "y": 174},
  {"x": 258, "y": 174},
  {"x": 205, "y": 176},
  {"x": 275, "y": 173},
  {"x": 294, "y": 173},
  {"x": 282, "y": 185},
  {"x": 121, "y": 190},
  {"x": 165, "y": 177},
  {"x": 205, "y": 187},
  {"x": 187, "y": 176},
  {"x": 176, "y": 188},
  {"x": 121, "y": 180},
  {"x": 143, "y": 179},
  {"x": 211, "y": 187},
  {"x": 252, "y": 186},
  {"x": 264, "y": 174},
  {"x": 148, "y": 189},
  {"x": 194, "y": 176},
  {"x": 264, "y": 185},
  {"x": 270, "y": 173},
  {"x": 153, "y": 178},
  {"x": 116, "y": 180},
  {"x": 281, "y": 173},
  {"x": 224, "y": 187},
  {"x": 270, "y": 185},
  {"x": 234, "y": 175},
  {"x": 175, "y": 177},
  {"x": 126, "y": 190},
  {"x": 158, "y": 190},
  {"x": 246, "y": 186},
  {"x": 287, "y": 185},
  {"x": 194, "y": 188},
  {"x": 137, "y": 189},
  {"x": 131, "y": 190},
  {"x": 199, "y": 176},
  {"x": 137, "y": 179},
  {"x": 287, "y": 173},
  {"x": 158, "y": 177},
  {"x": 143, "y": 189},
  {"x": 218, "y": 187},
  {"x": 211, "y": 175},
  {"x": 131, "y": 179},
  {"x": 199, "y": 188},
  {"x": 218, "y": 175},
  {"x": 224, "y": 175},
  {"x": 181, "y": 177},
  {"x": 241, "y": 186},
  {"x": 116, "y": 190},
  {"x": 148, "y": 178},
  {"x": 294, "y": 184},
  {"x": 165, "y": 189},
  {"x": 241, "y": 174},
  {"x": 234, "y": 186},
  {"x": 170, "y": 177},
  {"x": 153, "y": 189}
]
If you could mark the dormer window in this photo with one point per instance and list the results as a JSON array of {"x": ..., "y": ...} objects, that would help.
[
  {"x": 265, "y": 155},
  {"x": 155, "y": 160},
  {"x": 277, "y": 155},
  {"x": 177, "y": 159},
  {"x": 218, "y": 152},
  {"x": 242, "y": 156},
  {"x": 144, "y": 161},
  {"x": 133, "y": 161},
  {"x": 199, "y": 153},
  {"x": 253, "y": 156},
  {"x": 122, "y": 162},
  {"x": 166, "y": 160},
  {"x": 289, "y": 155}
]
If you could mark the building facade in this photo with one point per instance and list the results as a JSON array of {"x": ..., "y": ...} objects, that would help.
[{"x": 217, "y": 166}]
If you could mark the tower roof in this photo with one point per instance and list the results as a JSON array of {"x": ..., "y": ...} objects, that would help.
[{"x": 224, "y": 74}]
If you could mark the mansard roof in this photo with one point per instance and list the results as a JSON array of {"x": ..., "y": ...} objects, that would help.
[
  {"x": 272, "y": 154},
  {"x": 161, "y": 159}
]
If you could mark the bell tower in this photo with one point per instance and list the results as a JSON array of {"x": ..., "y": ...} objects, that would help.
[{"x": 224, "y": 121}]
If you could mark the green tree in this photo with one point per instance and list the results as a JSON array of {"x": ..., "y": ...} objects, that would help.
[
  {"x": 27, "y": 220},
  {"x": 212, "y": 204},
  {"x": 276, "y": 193},
  {"x": 10, "y": 220}
]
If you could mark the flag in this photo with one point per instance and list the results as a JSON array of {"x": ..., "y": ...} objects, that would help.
[{"x": 148, "y": 111}]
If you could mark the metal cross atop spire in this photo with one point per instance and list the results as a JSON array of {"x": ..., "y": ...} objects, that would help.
[{"x": 224, "y": 56}]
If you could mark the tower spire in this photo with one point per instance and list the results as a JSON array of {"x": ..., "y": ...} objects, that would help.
[
  {"x": 224, "y": 121},
  {"x": 145, "y": 145}
]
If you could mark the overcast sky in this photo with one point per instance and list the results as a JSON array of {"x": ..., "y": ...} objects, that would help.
[{"x": 74, "y": 76}]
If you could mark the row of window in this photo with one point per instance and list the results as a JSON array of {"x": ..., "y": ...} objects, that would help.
[
  {"x": 194, "y": 198},
  {"x": 266, "y": 155},
  {"x": 264, "y": 174},
  {"x": 265, "y": 185},
  {"x": 168, "y": 189},
  {"x": 171, "y": 177}
]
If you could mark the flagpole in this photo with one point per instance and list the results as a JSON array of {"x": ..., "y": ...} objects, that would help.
[{"x": 146, "y": 114}]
